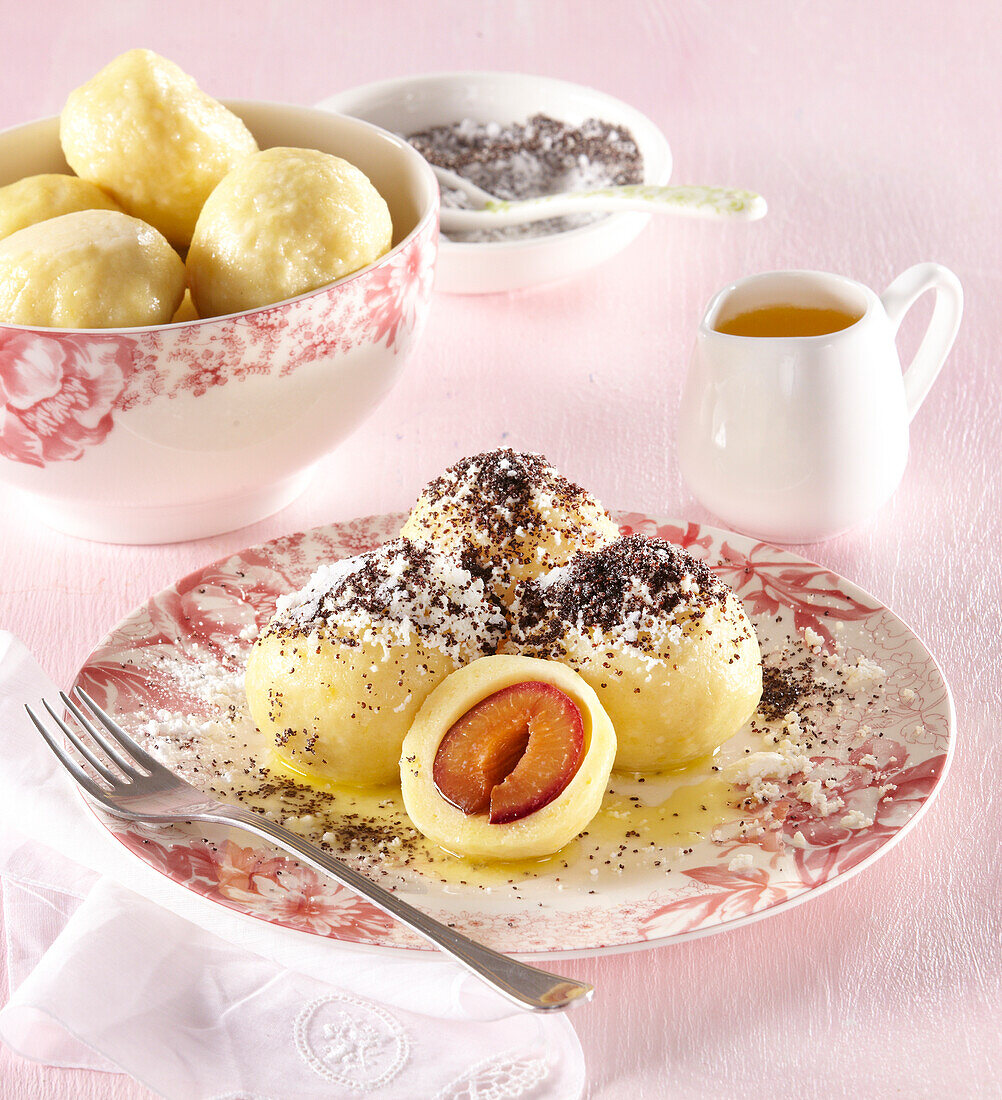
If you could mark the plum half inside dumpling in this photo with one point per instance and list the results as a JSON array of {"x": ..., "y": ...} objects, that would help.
[{"x": 508, "y": 758}]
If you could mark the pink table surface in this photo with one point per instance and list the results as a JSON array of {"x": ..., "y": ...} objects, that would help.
[{"x": 874, "y": 133}]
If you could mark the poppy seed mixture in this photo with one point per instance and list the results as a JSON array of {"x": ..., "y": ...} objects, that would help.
[{"x": 542, "y": 156}]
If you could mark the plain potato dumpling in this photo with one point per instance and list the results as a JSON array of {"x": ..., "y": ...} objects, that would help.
[
  {"x": 666, "y": 645},
  {"x": 91, "y": 269},
  {"x": 185, "y": 311},
  {"x": 284, "y": 222},
  {"x": 338, "y": 675},
  {"x": 143, "y": 129},
  {"x": 38, "y": 198}
]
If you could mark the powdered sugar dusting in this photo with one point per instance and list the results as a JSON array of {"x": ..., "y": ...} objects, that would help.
[
  {"x": 639, "y": 593},
  {"x": 399, "y": 591},
  {"x": 821, "y": 764},
  {"x": 514, "y": 510}
]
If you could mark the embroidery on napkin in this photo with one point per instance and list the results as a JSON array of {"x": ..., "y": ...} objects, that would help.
[
  {"x": 500, "y": 1078},
  {"x": 351, "y": 1042}
]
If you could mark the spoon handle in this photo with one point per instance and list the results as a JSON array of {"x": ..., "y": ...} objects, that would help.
[{"x": 692, "y": 202}]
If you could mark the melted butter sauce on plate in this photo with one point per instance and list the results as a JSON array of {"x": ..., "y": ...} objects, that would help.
[{"x": 643, "y": 823}]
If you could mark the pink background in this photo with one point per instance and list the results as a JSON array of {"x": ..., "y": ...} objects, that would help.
[{"x": 876, "y": 139}]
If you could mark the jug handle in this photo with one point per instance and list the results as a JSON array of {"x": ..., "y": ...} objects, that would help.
[{"x": 899, "y": 297}]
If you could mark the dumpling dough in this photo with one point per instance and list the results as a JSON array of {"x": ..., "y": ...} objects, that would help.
[
  {"x": 338, "y": 675},
  {"x": 514, "y": 510},
  {"x": 38, "y": 198},
  {"x": 92, "y": 269},
  {"x": 142, "y": 129},
  {"x": 284, "y": 222},
  {"x": 185, "y": 311},
  {"x": 666, "y": 645},
  {"x": 545, "y": 830}
]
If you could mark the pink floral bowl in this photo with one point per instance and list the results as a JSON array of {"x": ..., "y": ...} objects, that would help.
[{"x": 174, "y": 432}]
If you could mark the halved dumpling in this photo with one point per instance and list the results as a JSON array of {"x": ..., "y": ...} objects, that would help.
[{"x": 508, "y": 758}]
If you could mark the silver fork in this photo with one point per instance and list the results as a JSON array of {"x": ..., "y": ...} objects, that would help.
[{"x": 133, "y": 785}]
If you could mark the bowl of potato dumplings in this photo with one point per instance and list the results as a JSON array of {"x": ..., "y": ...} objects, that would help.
[{"x": 198, "y": 300}]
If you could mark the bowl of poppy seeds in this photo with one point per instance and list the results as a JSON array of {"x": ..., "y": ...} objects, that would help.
[{"x": 518, "y": 136}]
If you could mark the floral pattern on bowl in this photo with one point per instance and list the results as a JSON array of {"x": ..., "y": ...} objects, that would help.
[
  {"x": 59, "y": 391},
  {"x": 212, "y": 615},
  {"x": 173, "y": 432}
]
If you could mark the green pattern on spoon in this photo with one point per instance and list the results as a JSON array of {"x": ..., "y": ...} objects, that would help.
[{"x": 688, "y": 201}]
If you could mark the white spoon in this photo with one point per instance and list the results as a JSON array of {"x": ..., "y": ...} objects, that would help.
[{"x": 692, "y": 202}]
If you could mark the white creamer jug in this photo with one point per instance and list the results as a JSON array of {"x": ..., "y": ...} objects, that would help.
[{"x": 798, "y": 438}]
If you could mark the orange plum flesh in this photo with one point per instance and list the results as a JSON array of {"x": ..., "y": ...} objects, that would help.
[{"x": 512, "y": 753}]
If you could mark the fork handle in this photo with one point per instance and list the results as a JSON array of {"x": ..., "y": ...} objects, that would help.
[{"x": 526, "y": 986}]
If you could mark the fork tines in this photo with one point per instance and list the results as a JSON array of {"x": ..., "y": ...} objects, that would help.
[{"x": 119, "y": 750}]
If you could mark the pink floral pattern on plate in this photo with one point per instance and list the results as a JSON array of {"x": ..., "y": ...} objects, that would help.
[
  {"x": 270, "y": 886},
  {"x": 212, "y": 615},
  {"x": 59, "y": 392}
]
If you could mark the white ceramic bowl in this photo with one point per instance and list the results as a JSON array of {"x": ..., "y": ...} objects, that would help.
[
  {"x": 174, "y": 432},
  {"x": 415, "y": 103}
]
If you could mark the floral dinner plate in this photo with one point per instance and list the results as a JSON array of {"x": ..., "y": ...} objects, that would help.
[{"x": 852, "y": 689}]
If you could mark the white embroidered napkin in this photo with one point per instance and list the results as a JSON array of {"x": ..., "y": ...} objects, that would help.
[{"x": 114, "y": 967}]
